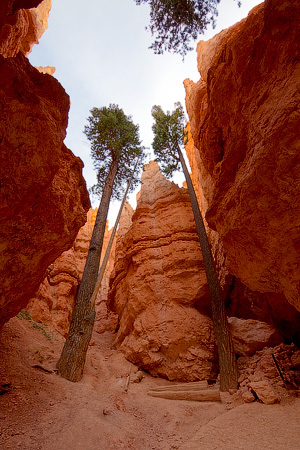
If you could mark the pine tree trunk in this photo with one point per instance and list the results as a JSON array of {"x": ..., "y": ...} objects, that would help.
[
  {"x": 227, "y": 360},
  {"x": 111, "y": 239},
  {"x": 71, "y": 362}
]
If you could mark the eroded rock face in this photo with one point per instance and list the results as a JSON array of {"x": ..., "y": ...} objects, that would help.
[
  {"x": 43, "y": 196},
  {"x": 54, "y": 301},
  {"x": 241, "y": 302},
  {"x": 244, "y": 115},
  {"x": 22, "y": 23},
  {"x": 204, "y": 186},
  {"x": 55, "y": 298},
  {"x": 158, "y": 279}
]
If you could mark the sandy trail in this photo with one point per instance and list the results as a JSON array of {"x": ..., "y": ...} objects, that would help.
[{"x": 43, "y": 411}]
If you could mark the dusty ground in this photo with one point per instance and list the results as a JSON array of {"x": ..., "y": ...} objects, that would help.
[{"x": 41, "y": 410}]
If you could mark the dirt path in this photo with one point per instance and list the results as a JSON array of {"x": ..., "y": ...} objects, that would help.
[{"x": 43, "y": 411}]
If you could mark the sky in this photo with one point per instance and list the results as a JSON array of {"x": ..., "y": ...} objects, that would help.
[{"x": 100, "y": 52}]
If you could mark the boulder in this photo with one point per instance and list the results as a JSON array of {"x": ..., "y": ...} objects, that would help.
[
  {"x": 173, "y": 342},
  {"x": 250, "y": 336},
  {"x": 265, "y": 392},
  {"x": 248, "y": 396}
]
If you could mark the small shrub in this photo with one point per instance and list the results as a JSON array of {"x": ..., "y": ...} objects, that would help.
[
  {"x": 42, "y": 329},
  {"x": 24, "y": 315}
]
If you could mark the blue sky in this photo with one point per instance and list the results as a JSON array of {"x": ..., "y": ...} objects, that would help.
[{"x": 100, "y": 51}]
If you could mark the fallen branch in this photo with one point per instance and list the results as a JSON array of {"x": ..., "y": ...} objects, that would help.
[
  {"x": 287, "y": 383},
  {"x": 207, "y": 395},
  {"x": 196, "y": 385}
]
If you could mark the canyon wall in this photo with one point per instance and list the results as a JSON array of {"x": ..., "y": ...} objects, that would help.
[
  {"x": 43, "y": 196},
  {"x": 54, "y": 301},
  {"x": 244, "y": 121},
  {"x": 158, "y": 286}
]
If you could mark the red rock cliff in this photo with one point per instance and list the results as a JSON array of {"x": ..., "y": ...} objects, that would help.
[
  {"x": 43, "y": 196},
  {"x": 245, "y": 121}
]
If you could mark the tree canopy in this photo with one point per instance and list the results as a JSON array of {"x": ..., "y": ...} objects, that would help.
[
  {"x": 169, "y": 134},
  {"x": 174, "y": 23},
  {"x": 114, "y": 138}
]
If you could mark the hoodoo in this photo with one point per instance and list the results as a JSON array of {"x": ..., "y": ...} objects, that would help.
[{"x": 158, "y": 280}]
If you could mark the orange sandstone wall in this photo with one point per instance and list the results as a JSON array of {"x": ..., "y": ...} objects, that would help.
[
  {"x": 43, "y": 196},
  {"x": 245, "y": 120}
]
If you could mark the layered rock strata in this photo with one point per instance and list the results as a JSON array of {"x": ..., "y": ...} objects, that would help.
[
  {"x": 244, "y": 117},
  {"x": 43, "y": 196},
  {"x": 157, "y": 281}
]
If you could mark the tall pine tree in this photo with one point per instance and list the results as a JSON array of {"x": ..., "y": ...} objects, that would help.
[
  {"x": 169, "y": 138},
  {"x": 115, "y": 147}
]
